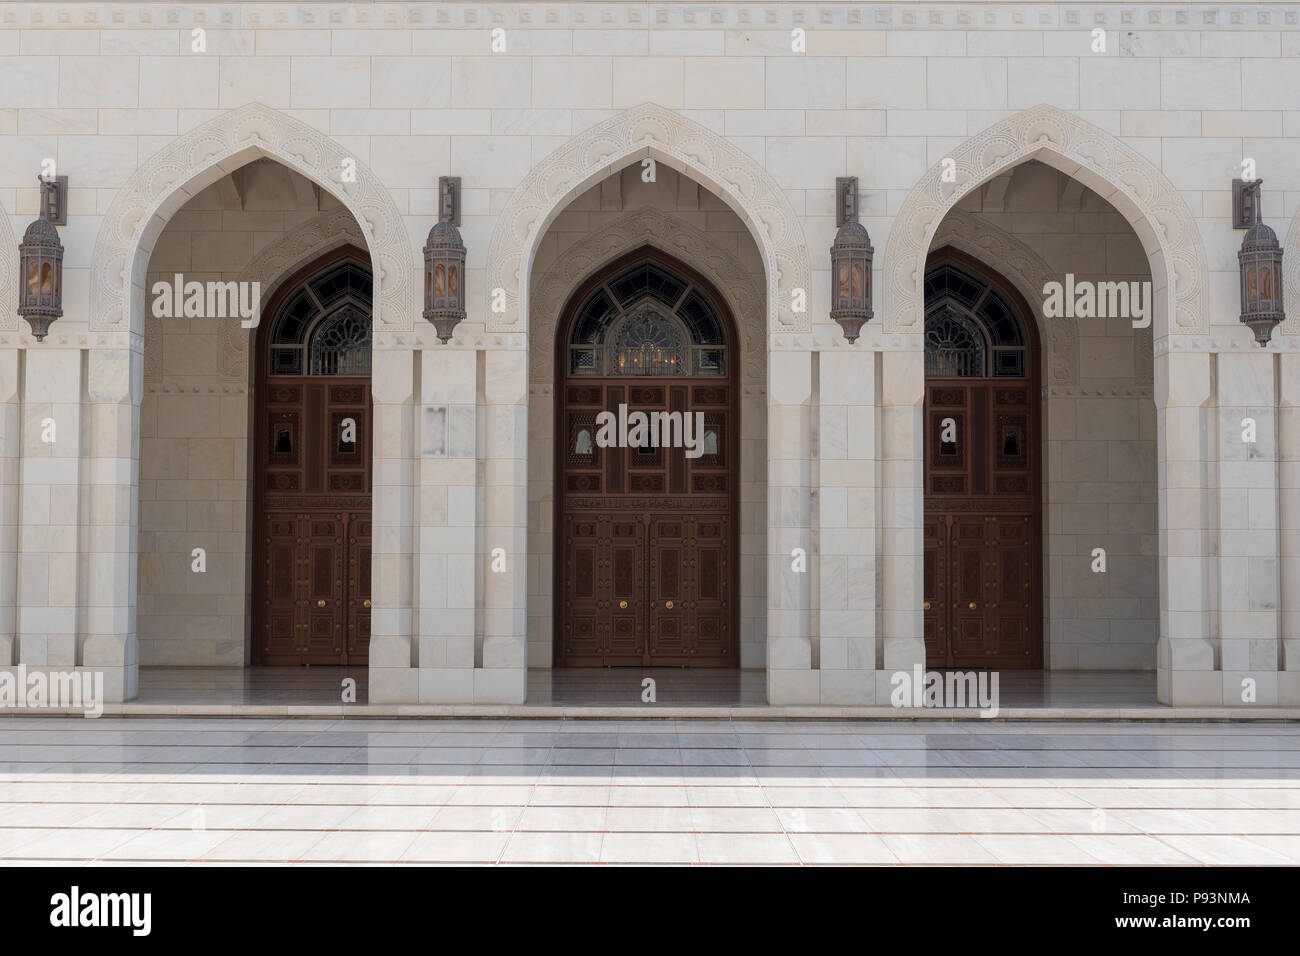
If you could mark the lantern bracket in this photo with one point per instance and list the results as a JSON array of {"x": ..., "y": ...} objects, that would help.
[
  {"x": 449, "y": 199},
  {"x": 1246, "y": 202},
  {"x": 54, "y": 199},
  {"x": 846, "y": 199}
]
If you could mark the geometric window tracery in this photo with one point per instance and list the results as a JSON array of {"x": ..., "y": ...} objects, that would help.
[
  {"x": 324, "y": 326},
  {"x": 647, "y": 321},
  {"x": 971, "y": 329}
]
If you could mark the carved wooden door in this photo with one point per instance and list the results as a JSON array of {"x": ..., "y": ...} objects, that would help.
[
  {"x": 982, "y": 590},
  {"x": 315, "y": 524}
]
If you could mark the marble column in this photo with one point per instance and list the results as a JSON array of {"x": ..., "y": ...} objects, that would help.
[
  {"x": 10, "y": 495},
  {"x": 109, "y": 533},
  {"x": 501, "y": 668},
  {"x": 50, "y": 473},
  {"x": 1249, "y": 648},
  {"x": 392, "y": 672},
  {"x": 450, "y": 581},
  {"x": 791, "y": 676},
  {"x": 902, "y": 402},
  {"x": 1288, "y": 433},
  {"x": 1185, "y": 656},
  {"x": 846, "y": 511}
]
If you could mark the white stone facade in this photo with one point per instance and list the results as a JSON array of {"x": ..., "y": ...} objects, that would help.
[{"x": 1000, "y": 130}]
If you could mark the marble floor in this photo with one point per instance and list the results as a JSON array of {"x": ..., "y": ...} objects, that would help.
[
  {"x": 570, "y": 687},
  {"x": 246, "y": 791}
]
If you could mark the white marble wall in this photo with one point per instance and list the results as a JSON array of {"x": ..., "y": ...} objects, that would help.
[{"x": 1182, "y": 91}]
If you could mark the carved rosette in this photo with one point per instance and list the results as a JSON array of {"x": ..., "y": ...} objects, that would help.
[
  {"x": 649, "y": 131},
  {"x": 170, "y": 177},
  {"x": 1110, "y": 167}
]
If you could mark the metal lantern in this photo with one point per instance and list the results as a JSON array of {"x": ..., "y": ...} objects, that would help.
[
  {"x": 40, "y": 266},
  {"x": 1260, "y": 263},
  {"x": 850, "y": 263},
  {"x": 444, "y": 263}
]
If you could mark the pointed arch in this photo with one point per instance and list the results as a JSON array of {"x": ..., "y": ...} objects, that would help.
[
  {"x": 648, "y": 131},
  {"x": 1109, "y": 167},
  {"x": 645, "y": 227},
  {"x": 194, "y": 160}
]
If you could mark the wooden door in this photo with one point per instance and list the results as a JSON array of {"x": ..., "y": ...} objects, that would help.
[
  {"x": 647, "y": 590},
  {"x": 645, "y": 569},
  {"x": 982, "y": 588},
  {"x": 312, "y": 453},
  {"x": 312, "y": 602}
]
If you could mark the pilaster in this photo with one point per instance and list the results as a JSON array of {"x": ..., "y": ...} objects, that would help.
[
  {"x": 902, "y": 401},
  {"x": 846, "y": 523},
  {"x": 392, "y": 666},
  {"x": 791, "y": 677},
  {"x": 501, "y": 666},
  {"x": 449, "y": 582},
  {"x": 1185, "y": 435}
]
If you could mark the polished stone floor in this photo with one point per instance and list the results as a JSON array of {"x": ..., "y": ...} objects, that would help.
[
  {"x": 241, "y": 791},
  {"x": 572, "y": 687}
]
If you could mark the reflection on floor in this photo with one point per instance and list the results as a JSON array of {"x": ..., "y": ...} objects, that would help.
[
  {"x": 154, "y": 790},
  {"x": 624, "y": 686},
  {"x": 606, "y": 687},
  {"x": 249, "y": 685}
]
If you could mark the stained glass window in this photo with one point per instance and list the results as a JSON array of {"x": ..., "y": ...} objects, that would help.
[
  {"x": 323, "y": 327},
  {"x": 971, "y": 329},
  {"x": 647, "y": 321}
]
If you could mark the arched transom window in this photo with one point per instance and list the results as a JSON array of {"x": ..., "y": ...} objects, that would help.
[
  {"x": 647, "y": 321},
  {"x": 971, "y": 329},
  {"x": 323, "y": 327}
]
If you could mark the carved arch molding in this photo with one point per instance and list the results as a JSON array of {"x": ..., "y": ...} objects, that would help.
[
  {"x": 648, "y": 131},
  {"x": 1115, "y": 171},
  {"x": 640, "y": 228},
  {"x": 200, "y": 157}
]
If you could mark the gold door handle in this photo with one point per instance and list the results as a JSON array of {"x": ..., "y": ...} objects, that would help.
[
  {"x": 365, "y": 603},
  {"x": 668, "y": 604},
  {"x": 622, "y": 604},
  {"x": 926, "y": 605},
  {"x": 320, "y": 603},
  {"x": 972, "y": 605}
]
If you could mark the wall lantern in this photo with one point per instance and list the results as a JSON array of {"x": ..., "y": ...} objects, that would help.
[
  {"x": 850, "y": 262},
  {"x": 40, "y": 261},
  {"x": 444, "y": 263},
  {"x": 1260, "y": 263}
]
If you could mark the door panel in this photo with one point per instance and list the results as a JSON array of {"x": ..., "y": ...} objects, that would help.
[
  {"x": 312, "y": 598},
  {"x": 710, "y": 624},
  {"x": 981, "y": 530},
  {"x": 667, "y": 596},
  {"x": 645, "y": 527},
  {"x": 626, "y": 634},
  {"x": 358, "y": 597}
]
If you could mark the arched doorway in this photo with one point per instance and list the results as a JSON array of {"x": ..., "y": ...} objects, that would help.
[
  {"x": 647, "y": 483},
  {"x": 982, "y": 528},
  {"x": 312, "y": 459}
]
